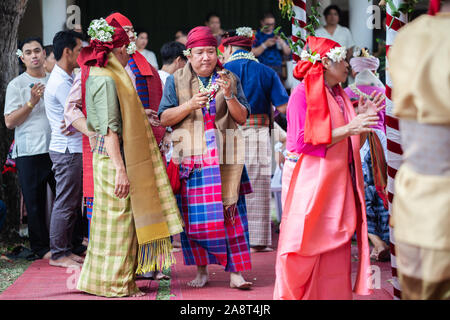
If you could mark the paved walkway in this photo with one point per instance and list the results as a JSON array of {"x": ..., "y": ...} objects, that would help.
[{"x": 44, "y": 282}]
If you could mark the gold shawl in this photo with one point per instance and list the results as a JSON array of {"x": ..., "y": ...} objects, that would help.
[
  {"x": 154, "y": 207},
  {"x": 229, "y": 138}
]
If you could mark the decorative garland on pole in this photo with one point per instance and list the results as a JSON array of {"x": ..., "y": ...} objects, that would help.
[
  {"x": 298, "y": 24},
  {"x": 395, "y": 19}
]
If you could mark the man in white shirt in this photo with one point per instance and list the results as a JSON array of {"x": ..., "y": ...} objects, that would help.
[
  {"x": 25, "y": 112},
  {"x": 65, "y": 151},
  {"x": 173, "y": 59},
  {"x": 334, "y": 31}
]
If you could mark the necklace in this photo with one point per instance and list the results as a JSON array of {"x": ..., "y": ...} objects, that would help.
[
  {"x": 358, "y": 92},
  {"x": 211, "y": 89},
  {"x": 243, "y": 55}
]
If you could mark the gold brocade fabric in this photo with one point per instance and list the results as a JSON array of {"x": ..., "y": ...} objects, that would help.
[{"x": 419, "y": 64}]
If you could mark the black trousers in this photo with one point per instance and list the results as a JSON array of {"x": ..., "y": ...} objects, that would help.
[{"x": 35, "y": 172}]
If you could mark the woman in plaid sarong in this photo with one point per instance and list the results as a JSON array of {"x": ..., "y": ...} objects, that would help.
[{"x": 212, "y": 194}]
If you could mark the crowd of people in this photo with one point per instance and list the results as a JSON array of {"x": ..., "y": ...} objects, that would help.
[{"x": 150, "y": 155}]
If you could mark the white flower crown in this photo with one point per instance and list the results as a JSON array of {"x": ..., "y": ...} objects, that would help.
[
  {"x": 336, "y": 54},
  {"x": 101, "y": 30},
  {"x": 244, "y": 32},
  {"x": 19, "y": 53}
]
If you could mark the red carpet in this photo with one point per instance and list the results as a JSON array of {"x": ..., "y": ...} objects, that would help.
[{"x": 44, "y": 282}]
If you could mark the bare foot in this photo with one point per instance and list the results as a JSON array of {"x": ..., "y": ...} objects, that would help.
[
  {"x": 76, "y": 258},
  {"x": 64, "y": 262},
  {"x": 138, "y": 294},
  {"x": 47, "y": 256},
  {"x": 237, "y": 281},
  {"x": 161, "y": 276},
  {"x": 201, "y": 279},
  {"x": 260, "y": 249}
]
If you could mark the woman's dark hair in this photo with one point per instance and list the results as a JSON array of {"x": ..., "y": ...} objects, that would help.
[
  {"x": 210, "y": 15},
  {"x": 170, "y": 51},
  {"x": 328, "y": 9},
  {"x": 141, "y": 30},
  {"x": 65, "y": 39}
]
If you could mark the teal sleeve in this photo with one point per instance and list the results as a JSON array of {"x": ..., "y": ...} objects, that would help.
[{"x": 102, "y": 105}]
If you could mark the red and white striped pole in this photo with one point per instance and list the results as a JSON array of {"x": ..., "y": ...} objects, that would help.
[
  {"x": 394, "y": 155},
  {"x": 299, "y": 9}
]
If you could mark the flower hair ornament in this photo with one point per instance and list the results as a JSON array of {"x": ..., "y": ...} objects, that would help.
[
  {"x": 131, "y": 49},
  {"x": 188, "y": 52},
  {"x": 100, "y": 30},
  {"x": 19, "y": 53},
  {"x": 336, "y": 54},
  {"x": 245, "y": 32}
]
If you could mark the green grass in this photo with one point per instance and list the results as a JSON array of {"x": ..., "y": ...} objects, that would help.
[{"x": 10, "y": 270}]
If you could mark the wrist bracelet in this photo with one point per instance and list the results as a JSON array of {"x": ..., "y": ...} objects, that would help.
[
  {"x": 264, "y": 46},
  {"x": 29, "y": 105},
  {"x": 229, "y": 98}
]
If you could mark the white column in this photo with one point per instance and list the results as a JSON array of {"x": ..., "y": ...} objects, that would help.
[
  {"x": 362, "y": 33},
  {"x": 53, "y": 18}
]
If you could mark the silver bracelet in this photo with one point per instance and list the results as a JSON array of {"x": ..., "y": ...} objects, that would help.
[{"x": 229, "y": 98}]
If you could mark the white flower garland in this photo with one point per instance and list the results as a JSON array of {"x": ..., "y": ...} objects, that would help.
[
  {"x": 101, "y": 30},
  {"x": 359, "y": 93},
  {"x": 244, "y": 32},
  {"x": 131, "y": 49},
  {"x": 312, "y": 57},
  {"x": 243, "y": 55},
  {"x": 210, "y": 89},
  {"x": 19, "y": 53}
]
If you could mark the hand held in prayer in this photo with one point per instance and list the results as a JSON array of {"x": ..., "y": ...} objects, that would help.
[
  {"x": 362, "y": 123},
  {"x": 372, "y": 105},
  {"x": 152, "y": 116},
  {"x": 65, "y": 131},
  {"x": 198, "y": 101},
  {"x": 36, "y": 93},
  {"x": 122, "y": 185}
]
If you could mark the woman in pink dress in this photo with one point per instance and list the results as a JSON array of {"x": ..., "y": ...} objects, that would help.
[{"x": 323, "y": 186}]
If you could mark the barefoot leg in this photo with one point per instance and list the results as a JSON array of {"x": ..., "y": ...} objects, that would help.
[
  {"x": 237, "y": 281},
  {"x": 201, "y": 279}
]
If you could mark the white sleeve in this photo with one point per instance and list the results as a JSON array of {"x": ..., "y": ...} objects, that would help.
[{"x": 13, "y": 99}]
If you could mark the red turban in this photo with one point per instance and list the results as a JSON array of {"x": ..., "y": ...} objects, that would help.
[
  {"x": 96, "y": 54},
  {"x": 318, "y": 121},
  {"x": 201, "y": 37},
  {"x": 237, "y": 41},
  {"x": 120, "y": 18},
  {"x": 435, "y": 7}
]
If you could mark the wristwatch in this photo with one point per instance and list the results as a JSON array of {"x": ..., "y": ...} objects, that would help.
[{"x": 229, "y": 98}]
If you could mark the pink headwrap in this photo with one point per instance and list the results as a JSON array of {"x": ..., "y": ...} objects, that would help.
[{"x": 359, "y": 64}]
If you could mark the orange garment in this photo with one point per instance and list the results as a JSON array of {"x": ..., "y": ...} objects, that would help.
[{"x": 316, "y": 228}]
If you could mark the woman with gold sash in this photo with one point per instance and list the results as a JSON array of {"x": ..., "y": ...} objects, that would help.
[
  {"x": 135, "y": 211},
  {"x": 204, "y": 104},
  {"x": 323, "y": 186}
]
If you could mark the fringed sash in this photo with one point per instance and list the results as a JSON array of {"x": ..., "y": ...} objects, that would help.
[{"x": 154, "y": 207}]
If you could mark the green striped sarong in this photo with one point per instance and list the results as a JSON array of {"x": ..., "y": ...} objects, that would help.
[{"x": 111, "y": 260}]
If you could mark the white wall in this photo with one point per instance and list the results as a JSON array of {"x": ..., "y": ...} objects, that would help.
[{"x": 54, "y": 18}]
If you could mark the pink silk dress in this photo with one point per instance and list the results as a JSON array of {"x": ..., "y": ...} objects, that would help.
[{"x": 321, "y": 213}]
